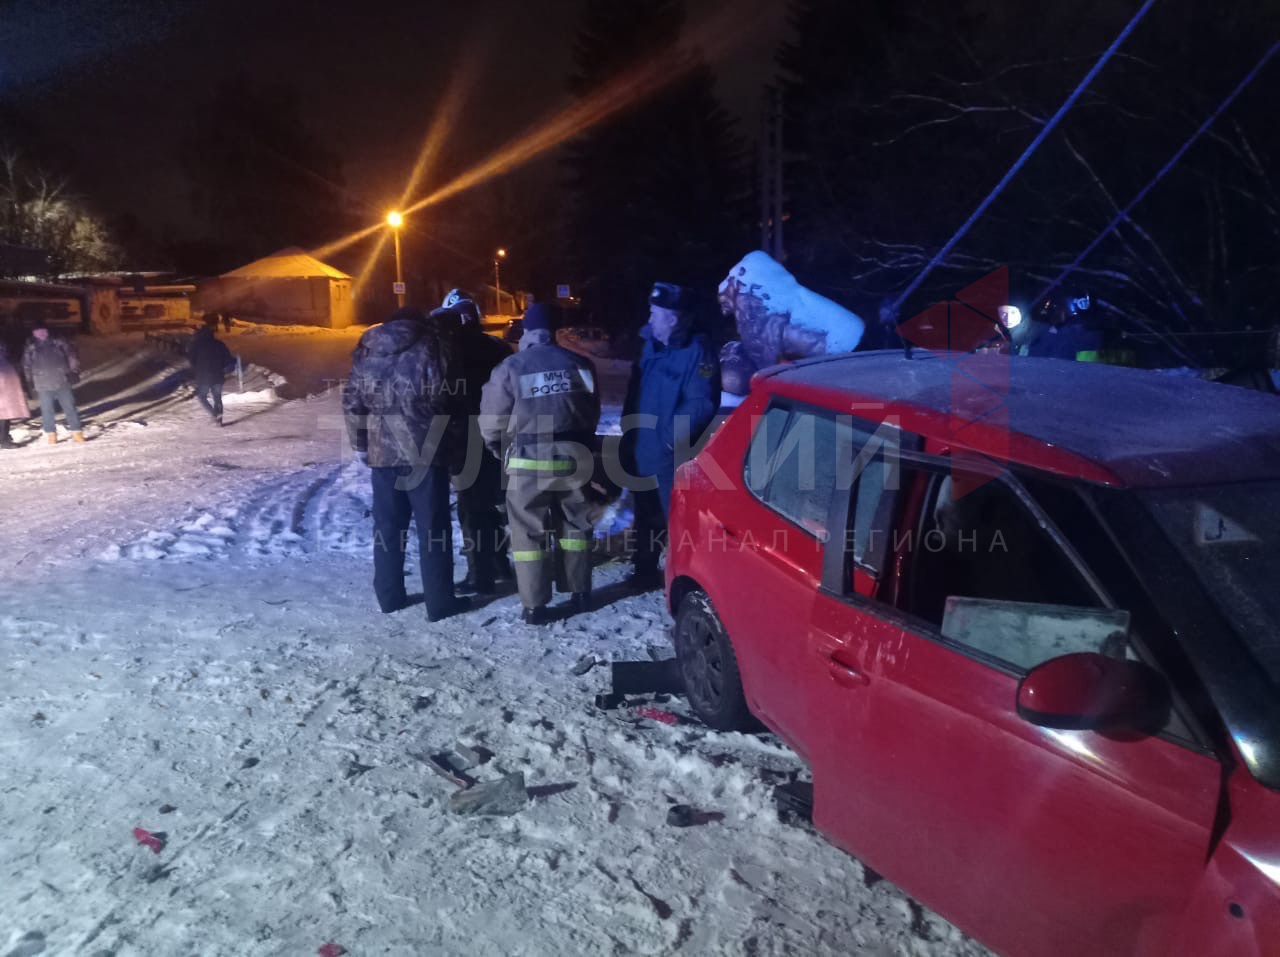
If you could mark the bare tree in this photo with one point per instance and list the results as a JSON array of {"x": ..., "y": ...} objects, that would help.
[{"x": 39, "y": 211}]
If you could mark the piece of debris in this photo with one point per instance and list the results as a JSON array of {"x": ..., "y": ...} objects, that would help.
[
  {"x": 684, "y": 815},
  {"x": 249, "y": 763},
  {"x": 167, "y": 808},
  {"x": 643, "y": 677},
  {"x": 656, "y": 714},
  {"x": 660, "y": 907},
  {"x": 472, "y": 756},
  {"x": 794, "y": 801},
  {"x": 447, "y": 765},
  {"x": 355, "y": 769},
  {"x": 39, "y": 719},
  {"x": 154, "y": 841},
  {"x": 585, "y": 664},
  {"x": 507, "y": 795},
  {"x": 331, "y": 950},
  {"x": 609, "y": 701}
]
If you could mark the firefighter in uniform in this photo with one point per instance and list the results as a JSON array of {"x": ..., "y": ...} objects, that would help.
[{"x": 538, "y": 414}]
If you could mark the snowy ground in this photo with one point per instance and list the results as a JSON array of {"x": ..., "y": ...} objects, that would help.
[{"x": 191, "y": 646}]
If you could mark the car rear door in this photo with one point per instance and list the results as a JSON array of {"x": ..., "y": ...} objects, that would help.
[
  {"x": 1037, "y": 841},
  {"x": 772, "y": 553}
]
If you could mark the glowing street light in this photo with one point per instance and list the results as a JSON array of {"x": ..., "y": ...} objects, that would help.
[
  {"x": 395, "y": 221},
  {"x": 500, "y": 255}
]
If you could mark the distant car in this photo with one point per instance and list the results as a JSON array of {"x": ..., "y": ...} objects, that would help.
[
  {"x": 514, "y": 330},
  {"x": 1044, "y": 699}
]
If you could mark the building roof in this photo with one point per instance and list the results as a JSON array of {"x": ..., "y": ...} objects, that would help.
[
  {"x": 1122, "y": 426},
  {"x": 291, "y": 263}
]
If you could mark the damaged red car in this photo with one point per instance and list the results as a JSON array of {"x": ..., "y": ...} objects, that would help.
[{"x": 1022, "y": 620}]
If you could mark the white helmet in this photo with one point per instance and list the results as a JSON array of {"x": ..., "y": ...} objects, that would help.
[{"x": 455, "y": 296}]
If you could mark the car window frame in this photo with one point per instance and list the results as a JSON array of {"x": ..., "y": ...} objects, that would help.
[
  {"x": 837, "y": 583},
  {"x": 791, "y": 407}
]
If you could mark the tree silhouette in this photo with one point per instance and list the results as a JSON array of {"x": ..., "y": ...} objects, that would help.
[{"x": 658, "y": 191}]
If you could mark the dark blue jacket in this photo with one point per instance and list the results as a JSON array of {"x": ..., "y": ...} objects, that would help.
[
  {"x": 209, "y": 357},
  {"x": 396, "y": 392},
  {"x": 678, "y": 384}
]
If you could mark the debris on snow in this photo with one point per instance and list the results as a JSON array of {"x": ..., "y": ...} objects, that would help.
[
  {"x": 505, "y": 796},
  {"x": 154, "y": 841}
]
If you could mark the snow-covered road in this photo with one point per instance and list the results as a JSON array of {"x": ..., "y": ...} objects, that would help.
[{"x": 190, "y": 646}]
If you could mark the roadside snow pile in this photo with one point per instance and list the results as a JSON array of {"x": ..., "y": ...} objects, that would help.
[{"x": 779, "y": 319}]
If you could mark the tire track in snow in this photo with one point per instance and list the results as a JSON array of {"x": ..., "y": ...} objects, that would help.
[{"x": 307, "y": 511}]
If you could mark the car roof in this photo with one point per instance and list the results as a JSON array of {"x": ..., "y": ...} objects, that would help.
[{"x": 1127, "y": 427}]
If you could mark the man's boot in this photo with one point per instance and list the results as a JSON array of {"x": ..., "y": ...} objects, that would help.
[
  {"x": 77, "y": 436},
  {"x": 536, "y": 616},
  {"x": 53, "y": 438}
]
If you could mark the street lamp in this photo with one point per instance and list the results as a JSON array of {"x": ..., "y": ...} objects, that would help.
[
  {"x": 395, "y": 221},
  {"x": 500, "y": 255}
]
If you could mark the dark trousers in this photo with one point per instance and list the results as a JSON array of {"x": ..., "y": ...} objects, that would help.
[
  {"x": 650, "y": 528},
  {"x": 66, "y": 401},
  {"x": 203, "y": 394},
  {"x": 398, "y": 497},
  {"x": 484, "y": 541}
]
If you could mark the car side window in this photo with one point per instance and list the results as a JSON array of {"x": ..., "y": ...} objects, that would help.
[
  {"x": 795, "y": 461},
  {"x": 986, "y": 547}
]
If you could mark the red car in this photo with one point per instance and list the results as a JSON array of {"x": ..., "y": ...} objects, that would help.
[{"x": 1022, "y": 619}]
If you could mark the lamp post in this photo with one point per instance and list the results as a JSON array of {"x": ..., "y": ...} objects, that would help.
[
  {"x": 395, "y": 221},
  {"x": 500, "y": 255}
]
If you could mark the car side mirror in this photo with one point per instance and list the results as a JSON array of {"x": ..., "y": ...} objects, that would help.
[{"x": 1087, "y": 691}]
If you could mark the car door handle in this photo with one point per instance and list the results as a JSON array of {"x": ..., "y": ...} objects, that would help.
[{"x": 845, "y": 673}]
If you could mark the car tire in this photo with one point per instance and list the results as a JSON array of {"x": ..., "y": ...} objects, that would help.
[{"x": 709, "y": 666}]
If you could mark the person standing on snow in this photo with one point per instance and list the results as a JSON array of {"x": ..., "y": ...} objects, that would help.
[
  {"x": 13, "y": 402},
  {"x": 52, "y": 368},
  {"x": 397, "y": 412},
  {"x": 210, "y": 358},
  {"x": 539, "y": 409},
  {"x": 477, "y": 476},
  {"x": 675, "y": 388}
]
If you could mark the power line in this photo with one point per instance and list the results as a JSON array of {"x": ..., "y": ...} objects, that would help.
[
  {"x": 1124, "y": 213},
  {"x": 1026, "y": 154}
]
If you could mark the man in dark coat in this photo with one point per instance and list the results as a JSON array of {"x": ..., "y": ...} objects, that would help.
[
  {"x": 471, "y": 356},
  {"x": 52, "y": 368},
  {"x": 675, "y": 388},
  {"x": 210, "y": 358},
  {"x": 397, "y": 413}
]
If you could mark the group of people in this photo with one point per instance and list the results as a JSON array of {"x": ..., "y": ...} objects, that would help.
[
  {"x": 433, "y": 400},
  {"x": 50, "y": 367}
]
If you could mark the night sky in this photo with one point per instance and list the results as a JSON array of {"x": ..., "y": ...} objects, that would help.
[{"x": 104, "y": 87}]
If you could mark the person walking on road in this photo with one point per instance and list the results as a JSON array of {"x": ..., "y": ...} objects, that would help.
[
  {"x": 52, "y": 367},
  {"x": 539, "y": 412},
  {"x": 210, "y": 359}
]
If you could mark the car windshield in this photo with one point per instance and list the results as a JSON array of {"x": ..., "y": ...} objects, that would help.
[{"x": 1230, "y": 535}]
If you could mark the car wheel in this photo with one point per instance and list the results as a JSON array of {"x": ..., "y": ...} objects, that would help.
[{"x": 709, "y": 666}]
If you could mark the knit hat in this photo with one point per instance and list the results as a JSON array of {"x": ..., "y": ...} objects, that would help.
[{"x": 538, "y": 316}]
